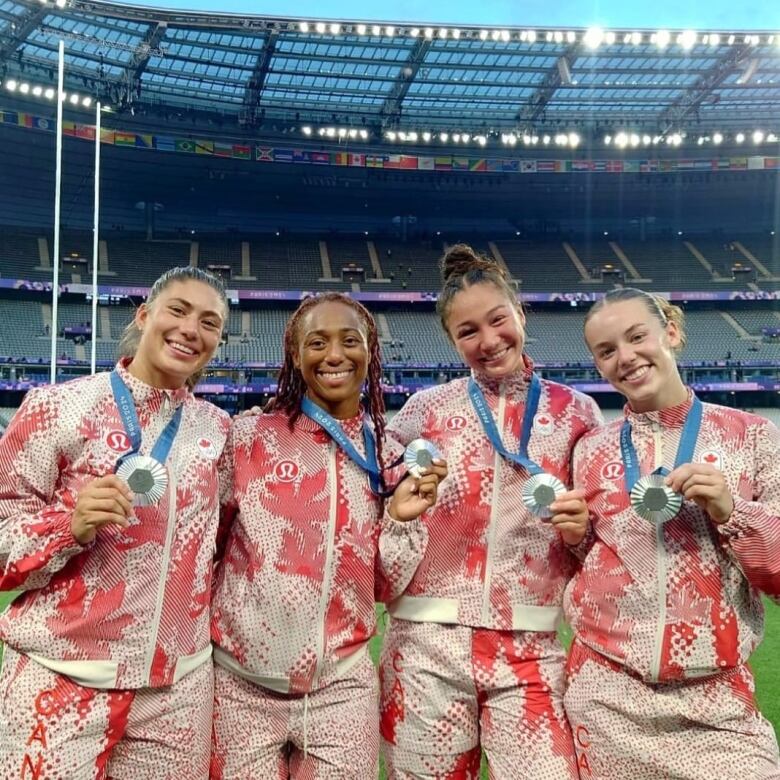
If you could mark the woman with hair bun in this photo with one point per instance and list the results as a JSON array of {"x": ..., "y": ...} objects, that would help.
[
  {"x": 684, "y": 501},
  {"x": 471, "y": 659},
  {"x": 109, "y": 505}
]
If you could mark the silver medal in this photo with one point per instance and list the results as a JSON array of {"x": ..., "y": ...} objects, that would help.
[
  {"x": 146, "y": 477},
  {"x": 540, "y": 491},
  {"x": 420, "y": 455},
  {"x": 655, "y": 501}
]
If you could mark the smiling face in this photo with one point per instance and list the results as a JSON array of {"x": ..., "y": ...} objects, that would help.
[
  {"x": 180, "y": 332},
  {"x": 332, "y": 355},
  {"x": 635, "y": 353},
  {"x": 487, "y": 329}
]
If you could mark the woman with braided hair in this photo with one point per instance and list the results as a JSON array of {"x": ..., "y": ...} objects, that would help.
[{"x": 310, "y": 549}]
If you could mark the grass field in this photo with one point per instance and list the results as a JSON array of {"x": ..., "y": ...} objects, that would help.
[{"x": 765, "y": 662}]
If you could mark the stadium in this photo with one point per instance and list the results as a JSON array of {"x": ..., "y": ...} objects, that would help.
[{"x": 292, "y": 155}]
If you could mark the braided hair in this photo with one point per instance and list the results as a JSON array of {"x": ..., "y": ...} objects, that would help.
[{"x": 292, "y": 388}]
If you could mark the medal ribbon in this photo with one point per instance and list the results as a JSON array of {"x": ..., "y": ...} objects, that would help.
[
  {"x": 369, "y": 464},
  {"x": 491, "y": 430},
  {"x": 124, "y": 402},
  {"x": 685, "y": 448}
]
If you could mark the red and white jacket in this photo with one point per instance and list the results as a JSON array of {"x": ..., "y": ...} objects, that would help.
[
  {"x": 130, "y": 609},
  {"x": 680, "y": 600},
  {"x": 307, "y": 553},
  {"x": 489, "y": 562}
]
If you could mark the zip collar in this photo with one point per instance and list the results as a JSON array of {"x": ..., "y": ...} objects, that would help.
[
  {"x": 513, "y": 385},
  {"x": 147, "y": 396},
  {"x": 671, "y": 417},
  {"x": 353, "y": 426}
]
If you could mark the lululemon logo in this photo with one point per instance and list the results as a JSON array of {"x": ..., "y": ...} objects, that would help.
[
  {"x": 286, "y": 471},
  {"x": 118, "y": 441},
  {"x": 456, "y": 423},
  {"x": 612, "y": 470}
]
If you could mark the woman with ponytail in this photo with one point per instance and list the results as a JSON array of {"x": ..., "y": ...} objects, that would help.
[
  {"x": 684, "y": 499},
  {"x": 109, "y": 504},
  {"x": 309, "y": 551},
  {"x": 471, "y": 660}
]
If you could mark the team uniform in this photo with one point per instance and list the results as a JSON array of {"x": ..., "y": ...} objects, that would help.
[
  {"x": 107, "y": 668},
  {"x": 471, "y": 655},
  {"x": 308, "y": 553},
  {"x": 666, "y": 616}
]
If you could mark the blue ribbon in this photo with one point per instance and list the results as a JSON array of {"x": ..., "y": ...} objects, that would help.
[
  {"x": 126, "y": 406},
  {"x": 489, "y": 424},
  {"x": 370, "y": 463},
  {"x": 685, "y": 449}
]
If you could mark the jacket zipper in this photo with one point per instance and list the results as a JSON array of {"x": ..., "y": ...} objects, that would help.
[{"x": 661, "y": 566}]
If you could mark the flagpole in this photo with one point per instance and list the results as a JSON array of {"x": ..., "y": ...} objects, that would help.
[
  {"x": 55, "y": 286},
  {"x": 95, "y": 242}
]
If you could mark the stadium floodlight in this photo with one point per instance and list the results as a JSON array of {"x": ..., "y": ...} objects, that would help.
[
  {"x": 646, "y": 140},
  {"x": 414, "y": 32},
  {"x": 11, "y": 85},
  {"x": 677, "y": 139},
  {"x": 442, "y": 32},
  {"x": 48, "y": 93},
  {"x": 480, "y": 139},
  {"x": 627, "y": 38},
  {"x": 37, "y": 90},
  {"x": 714, "y": 39},
  {"x": 607, "y": 139},
  {"x": 534, "y": 140},
  {"x": 561, "y": 139},
  {"x": 363, "y": 133},
  {"x": 621, "y": 140},
  {"x": 390, "y": 135},
  {"x": 444, "y": 137},
  {"x": 634, "y": 140},
  {"x": 361, "y": 29},
  {"x": 558, "y": 36},
  {"x": 483, "y": 35},
  {"x": 426, "y": 136},
  {"x": 731, "y": 39},
  {"x": 700, "y": 140},
  {"x": 412, "y": 136},
  {"x": 771, "y": 138},
  {"x": 304, "y": 27},
  {"x": 352, "y": 132},
  {"x": 376, "y": 30},
  {"x": 390, "y": 31},
  {"x": 531, "y": 36},
  {"x": 593, "y": 37},
  {"x": 456, "y": 34},
  {"x": 636, "y": 38},
  {"x": 74, "y": 99},
  {"x": 546, "y": 139},
  {"x": 574, "y": 140},
  {"x": 687, "y": 39},
  {"x": 549, "y": 36},
  {"x": 306, "y": 130},
  {"x": 662, "y": 38},
  {"x": 335, "y": 28},
  {"x": 739, "y": 137},
  {"x": 60, "y": 3},
  {"x": 330, "y": 132},
  {"x": 429, "y": 33},
  {"x": 571, "y": 36},
  {"x": 495, "y": 35},
  {"x": 610, "y": 37},
  {"x": 402, "y": 135},
  {"x": 456, "y": 138},
  {"x": 717, "y": 138},
  {"x": 465, "y": 137},
  {"x": 758, "y": 136},
  {"x": 320, "y": 27},
  {"x": 86, "y": 101},
  {"x": 24, "y": 88}
]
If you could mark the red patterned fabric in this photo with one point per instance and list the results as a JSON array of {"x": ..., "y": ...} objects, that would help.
[
  {"x": 131, "y": 607},
  {"x": 681, "y": 600}
]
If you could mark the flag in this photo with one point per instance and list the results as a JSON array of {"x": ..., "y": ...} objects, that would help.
[
  {"x": 618, "y": 166},
  {"x": 341, "y": 158},
  {"x": 442, "y": 163},
  {"x": 24, "y": 120},
  {"x": 106, "y": 136},
  {"x": 528, "y": 166},
  {"x": 375, "y": 161},
  {"x": 392, "y": 161},
  {"x": 204, "y": 147},
  {"x": 222, "y": 149},
  {"x": 41, "y": 123},
  {"x": 122, "y": 138},
  {"x": 648, "y": 166},
  {"x": 460, "y": 163},
  {"x": 545, "y": 166},
  {"x": 183, "y": 145},
  {"x": 242, "y": 152},
  {"x": 512, "y": 166},
  {"x": 581, "y": 166},
  {"x": 408, "y": 162},
  {"x": 9, "y": 117},
  {"x": 301, "y": 156},
  {"x": 85, "y": 131},
  {"x": 771, "y": 163},
  {"x": 68, "y": 128},
  {"x": 357, "y": 160},
  {"x": 320, "y": 158},
  {"x": 283, "y": 155},
  {"x": 755, "y": 163},
  {"x": 738, "y": 163},
  {"x": 165, "y": 143},
  {"x": 425, "y": 163},
  {"x": 144, "y": 141},
  {"x": 494, "y": 165}
]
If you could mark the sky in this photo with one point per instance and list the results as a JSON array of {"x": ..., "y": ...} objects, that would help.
[{"x": 675, "y": 14}]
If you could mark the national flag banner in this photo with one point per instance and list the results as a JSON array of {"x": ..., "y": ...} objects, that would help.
[
  {"x": 86, "y": 132},
  {"x": 580, "y": 166},
  {"x": 460, "y": 163},
  {"x": 357, "y": 160},
  {"x": 599, "y": 166},
  {"x": 24, "y": 120},
  {"x": 122, "y": 138},
  {"x": 626, "y": 166},
  {"x": 738, "y": 164},
  {"x": 242, "y": 152},
  {"x": 106, "y": 136},
  {"x": 686, "y": 165},
  {"x": 204, "y": 147},
  {"x": 703, "y": 165},
  {"x": 185, "y": 145},
  {"x": 301, "y": 156},
  {"x": 510, "y": 166},
  {"x": 42, "y": 123},
  {"x": 392, "y": 161},
  {"x": 9, "y": 117},
  {"x": 771, "y": 163},
  {"x": 144, "y": 141},
  {"x": 222, "y": 149},
  {"x": 408, "y": 162},
  {"x": 375, "y": 161},
  {"x": 442, "y": 163},
  {"x": 320, "y": 158},
  {"x": 69, "y": 128},
  {"x": 722, "y": 164},
  {"x": 755, "y": 163},
  {"x": 563, "y": 166},
  {"x": 667, "y": 166},
  {"x": 527, "y": 166},
  {"x": 283, "y": 155},
  {"x": 426, "y": 163},
  {"x": 341, "y": 158},
  {"x": 165, "y": 143},
  {"x": 648, "y": 166},
  {"x": 494, "y": 165},
  {"x": 477, "y": 165}
]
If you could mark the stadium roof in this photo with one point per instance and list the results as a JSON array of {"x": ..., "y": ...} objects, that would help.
[{"x": 262, "y": 74}]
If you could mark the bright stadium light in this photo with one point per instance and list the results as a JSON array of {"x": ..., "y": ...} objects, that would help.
[
  {"x": 717, "y": 138},
  {"x": 662, "y": 39},
  {"x": 376, "y": 30},
  {"x": 363, "y": 133},
  {"x": 646, "y": 140},
  {"x": 361, "y": 29},
  {"x": 634, "y": 140},
  {"x": 24, "y": 88},
  {"x": 11, "y": 85},
  {"x": 593, "y": 37},
  {"x": 412, "y": 136},
  {"x": 352, "y": 132},
  {"x": 636, "y": 38},
  {"x": 558, "y": 36},
  {"x": 442, "y": 32},
  {"x": 607, "y": 139},
  {"x": 574, "y": 140},
  {"x": 74, "y": 99},
  {"x": 426, "y": 136},
  {"x": 546, "y": 139},
  {"x": 480, "y": 139},
  {"x": 465, "y": 137},
  {"x": 390, "y": 135},
  {"x": 621, "y": 140},
  {"x": 456, "y": 34},
  {"x": 335, "y": 28},
  {"x": 330, "y": 132},
  {"x": 610, "y": 37},
  {"x": 306, "y": 130},
  {"x": 86, "y": 101},
  {"x": 37, "y": 90},
  {"x": 444, "y": 137},
  {"x": 732, "y": 39},
  {"x": 402, "y": 135},
  {"x": 456, "y": 138},
  {"x": 687, "y": 39},
  {"x": 414, "y": 32},
  {"x": 389, "y": 31},
  {"x": 60, "y": 3},
  {"x": 304, "y": 27},
  {"x": 771, "y": 138},
  {"x": 320, "y": 27},
  {"x": 531, "y": 36},
  {"x": 739, "y": 137},
  {"x": 714, "y": 39},
  {"x": 429, "y": 33},
  {"x": 48, "y": 93},
  {"x": 571, "y": 36},
  {"x": 758, "y": 136}
]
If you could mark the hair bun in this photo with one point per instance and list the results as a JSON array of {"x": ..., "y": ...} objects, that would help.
[{"x": 460, "y": 259}]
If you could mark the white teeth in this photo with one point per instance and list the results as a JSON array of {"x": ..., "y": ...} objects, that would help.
[
  {"x": 497, "y": 356},
  {"x": 638, "y": 374},
  {"x": 181, "y": 348},
  {"x": 335, "y": 374}
]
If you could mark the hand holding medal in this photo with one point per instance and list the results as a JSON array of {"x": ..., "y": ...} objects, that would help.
[
  {"x": 706, "y": 487},
  {"x": 104, "y": 501},
  {"x": 419, "y": 490}
]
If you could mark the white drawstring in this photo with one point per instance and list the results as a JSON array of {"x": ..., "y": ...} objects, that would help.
[{"x": 305, "y": 724}]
